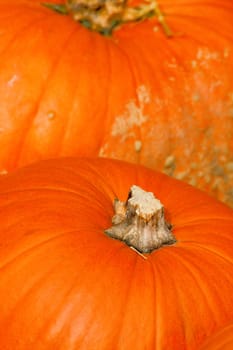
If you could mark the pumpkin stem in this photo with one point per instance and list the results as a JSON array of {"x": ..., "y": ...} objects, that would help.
[
  {"x": 140, "y": 222},
  {"x": 104, "y": 16}
]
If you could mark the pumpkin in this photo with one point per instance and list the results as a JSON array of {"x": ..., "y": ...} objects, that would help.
[
  {"x": 221, "y": 340},
  {"x": 69, "y": 281},
  {"x": 156, "y": 91}
]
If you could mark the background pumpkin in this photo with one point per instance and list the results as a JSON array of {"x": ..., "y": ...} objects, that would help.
[
  {"x": 138, "y": 95},
  {"x": 66, "y": 285},
  {"x": 221, "y": 340}
]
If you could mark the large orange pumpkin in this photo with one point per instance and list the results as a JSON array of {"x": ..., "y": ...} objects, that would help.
[
  {"x": 66, "y": 284},
  {"x": 221, "y": 340},
  {"x": 139, "y": 95}
]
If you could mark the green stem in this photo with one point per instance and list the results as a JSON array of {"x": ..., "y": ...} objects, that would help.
[
  {"x": 104, "y": 16},
  {"x": 60, "y": 8}
]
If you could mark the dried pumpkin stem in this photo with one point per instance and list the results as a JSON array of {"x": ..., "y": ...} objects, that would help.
[
  {"x": 105, "y": 15},
  {"x": 140, "y": 222}
]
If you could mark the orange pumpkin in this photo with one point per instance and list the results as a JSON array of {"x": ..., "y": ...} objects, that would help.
[
  {"x": 67, "y": 284},
  {"x": 221, "y": 340},
  {"x": 138, "y": 95}
]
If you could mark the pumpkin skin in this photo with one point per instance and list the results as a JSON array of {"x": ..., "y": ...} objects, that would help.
[
  {"x": 165, "y": 102},
  {"x": 221, "y": 340},
  {"x": 66, "y": 285}
]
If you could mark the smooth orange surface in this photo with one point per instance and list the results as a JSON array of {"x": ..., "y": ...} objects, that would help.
[
  {"x": 139, "y": 96},
  {"x": 221, "y": 340},
  {"x": 66, "y": 285}
]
